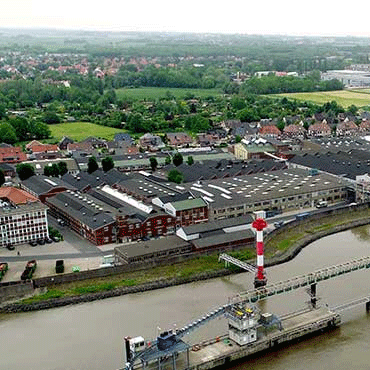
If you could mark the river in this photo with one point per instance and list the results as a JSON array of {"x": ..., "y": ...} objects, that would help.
[{"x": 90, "y": 335}]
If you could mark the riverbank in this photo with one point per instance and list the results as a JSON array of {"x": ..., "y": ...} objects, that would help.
[{"x": 281, "y": 246}]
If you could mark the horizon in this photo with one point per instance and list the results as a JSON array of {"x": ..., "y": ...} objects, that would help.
[{"x": 317, "y": 19}]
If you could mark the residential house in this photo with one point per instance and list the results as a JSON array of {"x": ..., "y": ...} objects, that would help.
[
  {"x": 80, "y": 149},
  {"x": 94, "y": 142},
  {"x": 347, "y": 128},
  {"x": 12, "y": 155},
  {"x": 31, "y": 144},
  {"x": 294, "y": 131},
  {"x": 123, "y": 136},
  {"x": 319, "y": 129},
  {"x": 63, "y": 143},
  {"x": 45, "y": 151},
  {"x": 269, "y": 131},
  {"x": 364, "y": 127},
  {"x": 178, "y": 139},
  {"x": 151, "y": 142},
  {"x": 8, "y": 170}
]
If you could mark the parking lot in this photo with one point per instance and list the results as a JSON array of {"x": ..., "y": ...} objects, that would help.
[{"x": 74, "y": 250}]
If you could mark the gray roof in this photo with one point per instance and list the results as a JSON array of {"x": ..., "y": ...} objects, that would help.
[
  {"x": 95, "y": 214},
  {"x": 221, "y": 238},
  {"x": 236, "y": 191},
  {"x": 39, "y": 165},
  {"x": 346, "y": 164},
  {"x": 211, "y": 169},
  {"x": 151, "y": 246},
  {"x": 83, "y": 180},
  {"x": 40, "y": 184},
  {"x": 218, "y": 225}
]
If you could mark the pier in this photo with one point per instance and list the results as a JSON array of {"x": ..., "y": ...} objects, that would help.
[{"x": 249, "y": 331}]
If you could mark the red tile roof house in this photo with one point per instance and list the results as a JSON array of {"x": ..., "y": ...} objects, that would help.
[
  {"x": 80, "y": 147},
  {"x": 12, "y": 155},
  {"x": 269, "y": 131},
  {"x": 45, "y": 148},
  {"x": 31, "y": 144},
  {"x": 347, "y": 128},
  {"x": 365, "y": 126},
  {"x": 294, "y": 131},
  {"x": 179, "y": 139},
  {"x": 319, "y": 129},
  {"x": 45, "y": 151}
]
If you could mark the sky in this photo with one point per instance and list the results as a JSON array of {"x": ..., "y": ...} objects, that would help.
[{"x": 283, "y": 17}]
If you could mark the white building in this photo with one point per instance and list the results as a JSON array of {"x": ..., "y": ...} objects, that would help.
[{"x": 22, "y": 217}]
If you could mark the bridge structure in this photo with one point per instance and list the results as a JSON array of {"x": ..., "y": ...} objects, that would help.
[
  {"x": 252, "y": 296},
  {"x": 234, "y": 261}
]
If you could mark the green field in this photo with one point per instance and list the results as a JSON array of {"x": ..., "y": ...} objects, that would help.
[
  {"x": 345, "y": 98},
  {"x": 151, "y": 93},
  {"x": 81, "y": 130}
]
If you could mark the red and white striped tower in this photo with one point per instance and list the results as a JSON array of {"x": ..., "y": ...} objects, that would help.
[{"x": 259, "y": 224}]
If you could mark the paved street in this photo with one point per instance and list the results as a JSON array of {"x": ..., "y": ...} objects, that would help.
[{"x": 74, "y": 250}]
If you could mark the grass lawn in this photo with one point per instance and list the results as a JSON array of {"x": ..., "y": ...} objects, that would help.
[
  {"x": 151, "y": 93},
  {"x": 345, "y": 98},
  {"x": 81, "y": 130}
]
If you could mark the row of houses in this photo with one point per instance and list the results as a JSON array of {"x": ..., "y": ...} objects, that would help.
[{"x": 298, "y": 131}]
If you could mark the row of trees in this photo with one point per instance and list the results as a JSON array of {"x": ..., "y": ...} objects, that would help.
[
  {"x": 15, "y": 129},
  {"x": 272, "y": 84}
]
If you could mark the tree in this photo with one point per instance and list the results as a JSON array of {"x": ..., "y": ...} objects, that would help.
[
  {"x": 175, "y": 176},
  {"x": 7, "y": 133},
  {"x": 2, "y": 178},
  {"x": 167, "y": 160},
  {"x": 52, "y": 170},
  {"x": 190, "y": 160},
  {"x": 24, "y": 171},
  {"x": 92, "y": 165},
  {"x": 107, "y": 163},
  {"x": 51, "y": 117},
  {"x": 62, "y": 167},
  {"x": 153, "y": 163},
  {"x": 177, "y": 159}
]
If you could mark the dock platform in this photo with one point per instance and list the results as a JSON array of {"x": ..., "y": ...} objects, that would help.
[{"x": 222, "y": 350}]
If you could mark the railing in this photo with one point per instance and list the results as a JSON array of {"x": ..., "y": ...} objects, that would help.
[
  {"x": 244, "y": 265},
  {"x": 254, "y": 295}
]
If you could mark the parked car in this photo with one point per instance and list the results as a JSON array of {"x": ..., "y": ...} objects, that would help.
[
  {"x": 10, "y": 247},
  {"x": 322, "y": 204},
  {"x": 278, "y": 224},
  {"x": 55, "y": 239},
  {"x": 48, "y": 240},
  {"x": 61, "y": 222},
  {"x": 41, "y": 241},
  {"x": 33, "y": 243}
]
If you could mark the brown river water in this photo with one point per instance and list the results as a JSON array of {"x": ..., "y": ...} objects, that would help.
[{"x": 90, "y": 335}]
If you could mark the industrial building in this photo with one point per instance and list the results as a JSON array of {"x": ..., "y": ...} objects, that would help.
[{"x": 281, "y": 190}]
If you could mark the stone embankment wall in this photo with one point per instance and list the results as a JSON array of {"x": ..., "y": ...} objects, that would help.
[
  {"x": 16, "y": 290},
  {"x": 59, "y": 302}
]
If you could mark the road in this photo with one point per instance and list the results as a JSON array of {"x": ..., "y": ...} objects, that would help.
[{"x": 74, "y": 250}]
